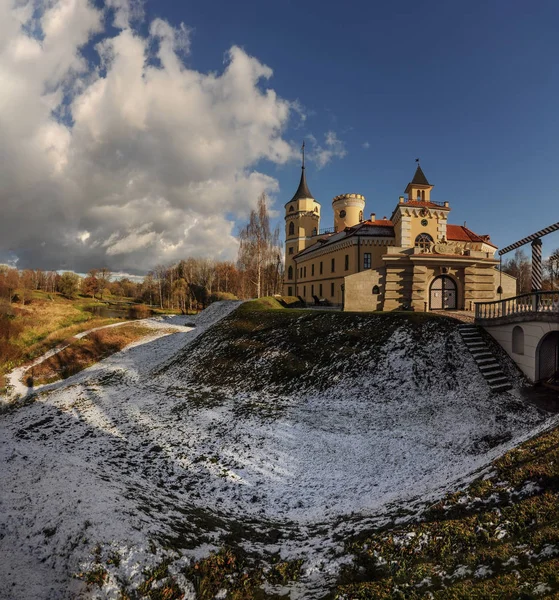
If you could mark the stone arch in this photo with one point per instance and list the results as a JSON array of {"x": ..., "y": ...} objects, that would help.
[
  {"x": 423, "y": 241},
  {"x": 547, "y": 356},
  {"x": 443, "y": 293},
  {"x": 518, "y": 340}
]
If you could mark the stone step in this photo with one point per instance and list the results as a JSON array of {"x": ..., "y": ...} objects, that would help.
[
  {"x": 496, "y": 379},
  {"x": 487, "y": 361},
  {"x": 501, "y": 388},
  {"x": 480, "y": 355},
  {"x": 491, "y": 372}
]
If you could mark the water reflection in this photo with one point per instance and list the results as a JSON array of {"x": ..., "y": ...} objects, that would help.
[{"x": 134, "y": 311}]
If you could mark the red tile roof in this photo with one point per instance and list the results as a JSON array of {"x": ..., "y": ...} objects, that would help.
[
  {"x": 379, "y": 223},
  {"x": 459, "y": 233}
]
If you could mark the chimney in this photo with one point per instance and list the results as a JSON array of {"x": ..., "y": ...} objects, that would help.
[{"x": 373, "y": 217}]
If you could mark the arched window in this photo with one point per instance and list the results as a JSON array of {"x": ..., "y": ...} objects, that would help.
[
  {"x": 423, "y": 195},
  {"x": 360, "y": 216},
  {"x": 423, "y": 241},
  {"x": 518, "y": 340},
  {"x": 290, "y": 273},
  {"x": 314, "y": 231},
  {"x": 291, "y": 208},
  {"x": 292, "y": 228}
]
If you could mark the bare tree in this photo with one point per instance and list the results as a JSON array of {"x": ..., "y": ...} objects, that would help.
[
  {"x": 258, "y": 251},
  {"x": 552, "y": 268},
  {"x": 520, "y": 267}
]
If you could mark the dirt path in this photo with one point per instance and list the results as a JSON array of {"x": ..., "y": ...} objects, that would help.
[{"x": 15, "y": 378}]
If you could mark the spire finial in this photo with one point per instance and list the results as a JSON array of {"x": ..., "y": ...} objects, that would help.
[
  {"x": 303, "y": 153},
  {"x": 417, "y": 161}
]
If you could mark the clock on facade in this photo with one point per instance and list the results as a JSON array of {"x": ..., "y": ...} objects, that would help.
[
  {"x": 342, "y": 213},
  {"x": 424, "y": 222}
]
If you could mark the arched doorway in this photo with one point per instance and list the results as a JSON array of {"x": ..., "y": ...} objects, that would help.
[
  {"x": 442, "y": 294},
  {"x": 548, "y": 356}
]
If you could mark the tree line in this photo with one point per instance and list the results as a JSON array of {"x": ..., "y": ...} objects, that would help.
[{"x": 520, "y": 266}]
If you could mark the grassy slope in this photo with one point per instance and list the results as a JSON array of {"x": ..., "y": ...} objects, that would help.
[
  {"x": 497, "y": 539},
  {"x": 87, "y": 351},
  {"x": 237, "y": 350},
  {"x": 45, "y": 323}
]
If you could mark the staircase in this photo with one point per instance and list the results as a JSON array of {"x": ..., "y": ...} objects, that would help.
[{"x": 485, "y": 360}]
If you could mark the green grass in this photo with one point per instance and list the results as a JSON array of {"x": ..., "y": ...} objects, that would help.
[
  {"x": 265, "y": 303},
  {"x": 506, "y": 532},
  {"x": 294, "y": 347}
]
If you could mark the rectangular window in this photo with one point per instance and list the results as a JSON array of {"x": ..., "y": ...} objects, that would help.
[
  {"x": 290, "y": 291},
  {"x": 291, "y": 250},
  {"x": 321, "y": 267},
  {"x": 304, "y": 291},
  {"x": 320, "y": 290},
  {"x": 332, "y": 290},
  {"x": 312, "y": 270},
  {"x": 333, "y": 265},
  {"x": 312, "y": 290},
  {"x": 367, "y": 260},
  {"x": 304, "y": 271},
  {"x": 346, "y": 262}
]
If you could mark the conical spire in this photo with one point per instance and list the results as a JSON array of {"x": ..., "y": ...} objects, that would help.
[
  {"x": 419, "y": 177},
  {"x": 303, "y": 189}
]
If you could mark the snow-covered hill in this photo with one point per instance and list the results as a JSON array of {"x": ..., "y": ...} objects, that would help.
[{"x": 276, "y": 431}]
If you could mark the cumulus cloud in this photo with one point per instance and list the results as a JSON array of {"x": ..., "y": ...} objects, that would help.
[
  {"x": 332, "y": 147},
  {"x": 132, "y": 159}
]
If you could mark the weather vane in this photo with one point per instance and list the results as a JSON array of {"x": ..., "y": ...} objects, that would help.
[{"x": 417, "y": 160}]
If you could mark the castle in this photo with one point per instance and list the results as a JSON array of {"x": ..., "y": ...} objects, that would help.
[{"x": 414, "y": 260}]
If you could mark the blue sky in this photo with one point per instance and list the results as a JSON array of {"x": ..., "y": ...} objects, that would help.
[{"x": 470, "y": 88}]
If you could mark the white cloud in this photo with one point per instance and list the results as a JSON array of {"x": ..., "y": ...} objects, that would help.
[
  {"x": 322, "y": 154},
  {"x": 366, "y": 145},
  {"x": 139, "y": 161}
]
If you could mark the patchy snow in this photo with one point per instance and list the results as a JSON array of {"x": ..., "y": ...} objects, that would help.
[
  {"x": 119, "y": 457},
  {"x": 161, "y": 326}
]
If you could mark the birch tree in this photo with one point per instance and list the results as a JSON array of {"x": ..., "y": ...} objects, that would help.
[{"x": 258, "y": 251}]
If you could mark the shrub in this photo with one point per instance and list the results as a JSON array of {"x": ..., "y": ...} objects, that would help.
[{"x": 217, "y": 296}]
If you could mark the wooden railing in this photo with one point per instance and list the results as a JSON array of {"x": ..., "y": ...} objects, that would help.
[{"x": 536, "y": 302}]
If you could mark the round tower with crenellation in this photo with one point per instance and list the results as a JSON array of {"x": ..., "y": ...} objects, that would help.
[{"x": 348, "y": 210}]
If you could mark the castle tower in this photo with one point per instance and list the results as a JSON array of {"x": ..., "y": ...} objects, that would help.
[
  {"x": 418, "y": 221},
  {"x": 302, "y": 220},
  {"x": 419, "y": 188},
  {"x": 348, "y": 210}
]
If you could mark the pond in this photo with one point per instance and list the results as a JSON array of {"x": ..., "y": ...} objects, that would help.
[{"x": 120, "y": 312}]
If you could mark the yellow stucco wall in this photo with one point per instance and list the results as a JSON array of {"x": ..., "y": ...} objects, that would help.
[{"x": 359, "y": 289}]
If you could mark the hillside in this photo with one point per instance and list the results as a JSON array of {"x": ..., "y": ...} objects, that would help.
[{"x": 280, "y": 439}]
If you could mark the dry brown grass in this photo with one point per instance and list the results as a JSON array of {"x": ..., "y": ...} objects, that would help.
[
  {"x": 28, "y": 331},
  {"x": 86, "y": 352}
]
